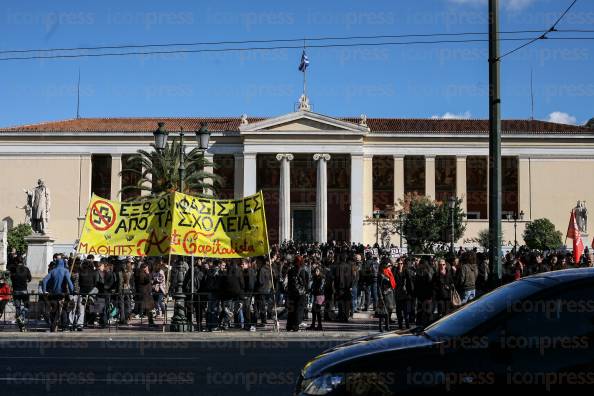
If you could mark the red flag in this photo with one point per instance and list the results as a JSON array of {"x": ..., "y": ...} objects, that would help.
[
  {"x": 572, "y": 229},
  {"x": 578, "y": 250},
  {"x": 573, "y": 232}
]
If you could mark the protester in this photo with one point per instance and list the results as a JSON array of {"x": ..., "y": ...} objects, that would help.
[
  {"x": 296, "y": 294},
  {"x": 443, "y": 286},
  {"x": 76, "y": 306},
  {"x": 20, "y": 276},
  {"x": 145, "y": 289},
  {"x": 159, "y": 289},
  {"x": 57, "y": 284},
  {"x": 5, "y": 292},
  {"x": 318, "y": 293},
  {"x": 386, "y": 303},
  {"x": 403, "y": 295},
  {"x": 467, "y": 277}
]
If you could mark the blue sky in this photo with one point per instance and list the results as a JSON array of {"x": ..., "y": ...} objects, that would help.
[{"x": 447, "y": 80}]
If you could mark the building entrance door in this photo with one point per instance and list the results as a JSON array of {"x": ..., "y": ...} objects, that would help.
[{"x": 303, "y": 224}]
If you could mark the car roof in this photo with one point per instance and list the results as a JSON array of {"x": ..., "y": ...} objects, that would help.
[{"x": 568, "y": 275}]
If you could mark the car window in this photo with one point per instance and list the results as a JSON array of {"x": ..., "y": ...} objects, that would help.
[
  {"x": 569, "y": 313},
  {"x": 485, "y": 308}
]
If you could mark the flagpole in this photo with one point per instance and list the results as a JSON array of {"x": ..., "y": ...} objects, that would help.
[{"x": 304, "y": 74}]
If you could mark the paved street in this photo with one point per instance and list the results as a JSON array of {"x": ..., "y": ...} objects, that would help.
[{"x": 156, "y": 364}]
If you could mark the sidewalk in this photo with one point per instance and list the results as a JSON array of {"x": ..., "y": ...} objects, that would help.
[{"x": 361, "y": 324}]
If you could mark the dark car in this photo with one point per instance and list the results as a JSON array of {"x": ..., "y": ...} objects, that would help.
[{"x": 536, "y": 332}]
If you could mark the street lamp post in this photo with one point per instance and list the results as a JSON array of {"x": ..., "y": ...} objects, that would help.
[
  {"x": 179, "y": 322},
  {"x": 376, "y": 215},
  {"x": 452, "y": 207},
  {"x": 521, "y": 217},
  {"x": 400, "y": 225}
]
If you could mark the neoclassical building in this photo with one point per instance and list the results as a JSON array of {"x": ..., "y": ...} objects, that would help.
[{"x": 322, "y": 176}]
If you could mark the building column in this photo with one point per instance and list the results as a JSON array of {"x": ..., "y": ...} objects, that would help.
[
  {"x": 430, "y": 176},
  {"x": 322, "y": 198},
  {"x": 284, "y": 201},
  {"x": 210, "y": 169},
  {"x": 84, "y": 188},
  {"x": 238, "y": 176},
  {"x": 461, "y": 181},
  {"x": 116, "y": 179},
  {"x": 357, "y": 197},
  {"x": 249, "y": 174},
  {"x": 524, "y": 190},
  {"x": 398, "y": 178}
]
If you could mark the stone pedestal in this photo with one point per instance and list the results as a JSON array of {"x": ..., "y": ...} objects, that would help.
[{"x": 39, "y": 254}]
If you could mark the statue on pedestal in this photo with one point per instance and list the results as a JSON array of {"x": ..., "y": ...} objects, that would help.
[
  {"x": 581, "y": 216},
  {"x": 28, "y": 207},
  {"x": 40, "y": 208}
]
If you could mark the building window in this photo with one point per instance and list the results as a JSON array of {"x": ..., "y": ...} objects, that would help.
[
  {"x": 445, "y": 178},
  {"x": 101, "y": 175},
  {"x": 383, "y": 182},
  {"x": 130, "y": 178},
  {"x": 476, "y": 188},
  {"x": 509, "y": 184},
  {"x": 224, "y": 166},
  {"x": 414, "y": 175}
]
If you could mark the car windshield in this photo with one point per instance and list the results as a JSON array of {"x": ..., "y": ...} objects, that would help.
[{"x": 462, "y": 321}]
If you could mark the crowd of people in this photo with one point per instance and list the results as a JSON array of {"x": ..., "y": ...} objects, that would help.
[{"x": 309, "y": 284}]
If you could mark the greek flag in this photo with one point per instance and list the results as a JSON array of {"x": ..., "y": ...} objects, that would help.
[{"x": 304, "y": 62}]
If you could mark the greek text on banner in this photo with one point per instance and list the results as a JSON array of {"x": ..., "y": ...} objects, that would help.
[{"x": 178, "y": 224}]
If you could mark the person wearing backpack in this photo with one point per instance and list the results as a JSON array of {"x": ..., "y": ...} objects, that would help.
[{"x": 57, "y": 285}]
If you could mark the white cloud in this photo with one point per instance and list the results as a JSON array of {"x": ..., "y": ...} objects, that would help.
[
  {"x": 560, "y": 117},
  {"x": 509, "y": 5},
  {"x": 452, "y": 116}
]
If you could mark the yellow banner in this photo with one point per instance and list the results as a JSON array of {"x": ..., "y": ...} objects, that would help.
[
  {"x": 219, "y": 228},
  {"x": 177, "y": 224},
  {"x": 136, "y": 228}
]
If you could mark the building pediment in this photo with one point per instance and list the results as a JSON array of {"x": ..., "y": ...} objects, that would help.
[{"x": 303, "y": 121}]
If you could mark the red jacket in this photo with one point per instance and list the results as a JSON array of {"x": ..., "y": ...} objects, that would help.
[{"x": 5, "y": 292}]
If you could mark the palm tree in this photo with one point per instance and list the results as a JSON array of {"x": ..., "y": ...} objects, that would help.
[{"x": 157, "y": 172}]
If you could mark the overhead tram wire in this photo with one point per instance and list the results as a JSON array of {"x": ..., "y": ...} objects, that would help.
[
  {"x": 543, "y": 36},
  {"x": 330, "y": 38},
  {"x": 240, "y": 49}
]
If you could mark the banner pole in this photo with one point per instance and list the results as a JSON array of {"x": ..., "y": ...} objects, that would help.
[
  {"x": 276, "y": 324},
  {"x": 76, "y": 252}
]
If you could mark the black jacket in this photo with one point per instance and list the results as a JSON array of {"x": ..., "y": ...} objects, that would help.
[
  {"x": 443, "y": 286},
  {"x": 88, "y": 279},
  {"x": 297, "y": 282},
  {"x": 20, "y": 277},
  {"x": 404, "y": 285},
  {"x": 264, "y": 281},
  {"x": 198, "y": 276},
  {"x": 318, "y": 285},
  {"x": 231, "y": 284},
  {"x": 249, "y": 280},
  {"x": 343, "y": 276}
]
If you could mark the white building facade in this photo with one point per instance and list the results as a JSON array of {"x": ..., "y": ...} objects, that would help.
[{"x": 322, "y": 176}]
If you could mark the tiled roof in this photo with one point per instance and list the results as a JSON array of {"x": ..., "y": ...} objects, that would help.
[{"x": 377, "y": 125}]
